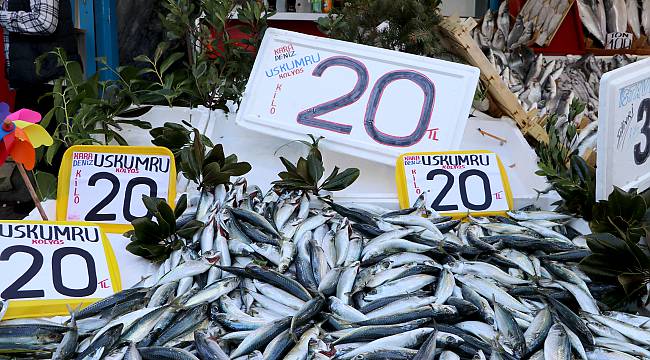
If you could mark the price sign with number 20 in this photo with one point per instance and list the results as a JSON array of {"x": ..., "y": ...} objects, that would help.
[
  {"x": 455, "y": 183},
  {"x": 48, "y": 265},
  {"x": 105, "y": 184}
]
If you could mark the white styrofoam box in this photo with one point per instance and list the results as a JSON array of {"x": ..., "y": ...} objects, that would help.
[
  {"x": 623, "y": 130},
  {"x": 376, "y": 183},
  {"x": 158, "y": 116},
  {"x": 517, "y": 156}
]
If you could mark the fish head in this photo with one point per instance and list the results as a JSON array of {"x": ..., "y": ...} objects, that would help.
[
  {"x": 211, "y": 257},
  {"x": 51, "y": 337},
  {"x": 454, "y": 266},
  {"x": 450, "y": 340},
  {"x": 383, "y": 265}
]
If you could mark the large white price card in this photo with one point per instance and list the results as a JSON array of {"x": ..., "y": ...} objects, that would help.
[
  {"x": 624, "y": 129},
  {"x": 48, "y": 265},
  {"x": 105, "y": 184},
  {"x": 455, "y": 183},
  {"x": 368, "y": 102}
]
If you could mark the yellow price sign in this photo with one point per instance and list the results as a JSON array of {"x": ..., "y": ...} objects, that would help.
[
  {"x": 48, "y": 265},
  {"x": 455, "y": 183},
  {"x": 105, "y": 184}
]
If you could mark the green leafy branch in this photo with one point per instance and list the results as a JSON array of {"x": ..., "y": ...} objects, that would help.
[
  {"x": 567, "y": 173},
  {"x": 155, "y": 240},
  {"x": 307, "y": 173},
  {"x": 199, "y": 161},
  {"x": 618, "y": 223}
]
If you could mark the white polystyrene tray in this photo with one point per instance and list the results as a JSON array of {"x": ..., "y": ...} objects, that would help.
[{"x": 376, "y": 184}]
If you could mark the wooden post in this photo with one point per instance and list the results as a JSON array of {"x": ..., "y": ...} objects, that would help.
[
  {"x": 459, "y": 39},
  {"x": 31, "y": 190}
]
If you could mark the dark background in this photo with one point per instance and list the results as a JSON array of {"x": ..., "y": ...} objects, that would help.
[{"x": 139, "y": 28}]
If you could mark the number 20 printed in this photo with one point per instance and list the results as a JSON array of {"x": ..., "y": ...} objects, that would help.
[{"x": 310, "y": 116}]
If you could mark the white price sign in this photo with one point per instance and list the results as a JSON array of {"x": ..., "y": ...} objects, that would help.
[
  {"x": 368, "y": 102},
  {"x": 48, "y": 265},
  {"x": 624, "y": 130},
  {"x": 105, "y": 184},
  {"x": 618, "y": 40},
  {"x": 455, "y": 183}
]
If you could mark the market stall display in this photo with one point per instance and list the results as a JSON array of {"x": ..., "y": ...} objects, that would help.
[
  {"x": 605, "y": 18},
  {"x": 549, "y": 85},
  {"x": 264, "y": 254},
  {"x": 540, "y": 19},
  {"x": 356, "y": 280}
]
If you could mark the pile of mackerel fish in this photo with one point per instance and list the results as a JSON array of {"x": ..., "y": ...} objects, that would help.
[
  {"x": 289, "y": 275},
  {"x": 550, "y": 85}
]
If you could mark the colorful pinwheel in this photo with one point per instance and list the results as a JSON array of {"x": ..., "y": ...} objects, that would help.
[{"x": 20, "y": 135}]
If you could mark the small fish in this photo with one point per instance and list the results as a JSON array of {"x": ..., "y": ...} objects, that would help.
[
  {"x": 616, "y": 15},
  {"x": 512, "y": 336},
  {"x": 645, "y": 19},
  {"x": 503, "y": 19},
  {"x": 488, "y": 26},
  {"x": 516, "y": 32},
  {"x": 499, "y": 40},
  {"x": 633, "y": 20},
  {"x": 536, "y": 333},
  {"x": 186, "y": 269},
  {"x": 132, "y": 353},
  {"x": 406, "y": 339},
  {"x": 261, "y": 337},
  {"x": 557, "y": 345},
  {"x": 165, "y": 353}
]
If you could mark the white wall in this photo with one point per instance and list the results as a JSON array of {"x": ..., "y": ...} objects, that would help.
[{"x": 459, "y": 7}]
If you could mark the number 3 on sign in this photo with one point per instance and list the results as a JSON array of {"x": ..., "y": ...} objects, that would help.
[
  {"x": 48, "y": 265},
  {"x": 105, "y": 184},
  {"x": 455, "y": 183},
  {"x": 641, "y": 156}
]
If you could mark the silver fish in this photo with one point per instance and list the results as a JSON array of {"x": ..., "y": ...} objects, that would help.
[
  {"x": 557, "y": 345},
  {"x": 645, "y": 19},
  {"x": 488, "y": 26},
  {"x": 616, "y": 15},
  {"x": 503, "y": 19},
  {"x": 633, "y": 20}
]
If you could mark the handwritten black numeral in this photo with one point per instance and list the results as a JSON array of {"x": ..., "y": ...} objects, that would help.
[
  {"x": 93, "y": 214},
  {"x": 462, "y": 182},
  {"x": 445, "y": 190},
  {"x": 153, "y": 191},
  {"x": 309, "y": 117},
  {"x": 640, "y": 157},
  {"x": 57, "y": 277},
  {"x": 13, "y": 291},
  {"x": 425, "y": 115}
]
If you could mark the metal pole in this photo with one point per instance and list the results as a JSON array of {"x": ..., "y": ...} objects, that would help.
[{"x": 106, "y": 35}]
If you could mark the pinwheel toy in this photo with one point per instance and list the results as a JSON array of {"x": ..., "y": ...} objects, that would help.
[{"x": 20, "y": 135}]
